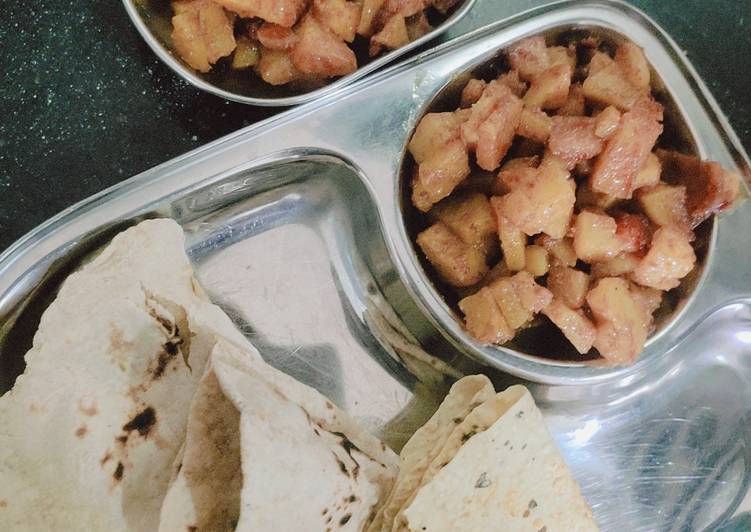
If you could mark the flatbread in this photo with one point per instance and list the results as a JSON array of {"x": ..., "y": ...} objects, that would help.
[
  {"x": 90, "y": 431},
  {"x": 422, "y": 448},
  {"x": 508, "y": 477},
  {"x": 305, "y": 464}
]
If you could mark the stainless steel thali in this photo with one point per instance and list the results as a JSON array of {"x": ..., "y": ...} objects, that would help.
[{"x": 294, "y": 228}]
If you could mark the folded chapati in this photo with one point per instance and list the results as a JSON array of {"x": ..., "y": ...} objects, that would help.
[
  {"x": 491, "y": 465},
  {"x": 305, "y": 464}
]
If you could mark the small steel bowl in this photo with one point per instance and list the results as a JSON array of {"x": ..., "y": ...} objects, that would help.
[{"x": 152, "y": 19}]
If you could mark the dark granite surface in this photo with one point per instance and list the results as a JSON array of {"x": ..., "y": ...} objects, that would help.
[{"x": 84, "y": 103}]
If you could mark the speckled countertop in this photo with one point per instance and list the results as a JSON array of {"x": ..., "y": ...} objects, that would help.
[{"x": 84, "y": 103}]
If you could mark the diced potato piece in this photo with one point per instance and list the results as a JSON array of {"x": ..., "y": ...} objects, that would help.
[
  {"x": 569, "y": 285},
  {"x": 550, "y": 89},
  {"x": 650, "y": 299},
  {"x": 574, "y": 325},
  {"x": 247, "y": 54},
  {"x": 616, "y": 267},
  {"x": 484, "y": 319},
  {"x": 575, "y": 103},
  {"x": 535, "y": 125},
  {"x": 626, "y": 151},
  {"x": 595, "y": 237},
  {"x": 418, "y": 26},
  {"x": 517, "y": 172},
  {"x": 606, "y": 122},
  {"x": 513, "y": 82},
  {"x": 405, "y": 8},
  {"x": 321, "y": 53},
  {"x": 649, "y": 174},
  {"x": 203, "y": 35},
  {"x": 544, "y": 205},
  {"x": 392, "y": 36},
  {"x": 536, "y": 260},
  {"x": 368, "y": 16},
  {"x": 443, "y": 6},
  {"x": 433, "y": 132},
  {"x": 496, "y": 133},
  {"x": 458, "y": 263},
  {"x": 492, "y": 95},
  {"x": 495, "y": 273},
  {"x": 561, "y": 55},
  {"x": 438, "y": 175},
  {"x": 620, "y": 321},
  {"x": 276, "y": 67},
  {"x": 532, "y": 296},
  {"x": 561, "y": 251},
  {"x": 276, "y": 37},
  {"x": 530, "y": 57},
  {"x": 633, "y": 230},
  {"x": 469, "y": 216},
  {"x": 512, "y": 239},
  {"x": 282, "y": 12},
  {"x": 669, "y": 259},
  {"x": 505, "y": 297},
  {"x": 631, "y": 59},
  {"x": 340, "y": 16},
  {"x": 573, "y": 139},
  {"x": 665, "y": 205},
  {"x": 608, "y": 85},
  {"x": 472, "y": 92},
  {"x": 599, "y": 61},
  {"x": 709, "y": 187}
]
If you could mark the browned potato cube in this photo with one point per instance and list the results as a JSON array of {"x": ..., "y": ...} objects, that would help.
[
  {"x": 530, "y": 57},
  {"x": 649, "y": 298},
  {"x": 615, "y": 169},
  {"x": 616, "y": 267},
  {"x": 649, "y": 175},
  {"x": 606, "y": 122},
  {"x": 340, "y": 16},
  {"x": 319, "y": 52},
  {"x": 536, "y": 260},
  {"x": 620, "y": 321},
  {"x": 599, "y": 61},
  {"x": 535, "y": 125},
  {"x": 418, "y": 26},
  {"x": 469, "y": 216},
  {"x": 433, "y": 132},
  {"x": 247, "y": 54},
  {"x": 574, "y": 325},
  {"x": 549, "y": 90},
  {"x": 633, "y": 230},
  {"x": 276, "y": 37},
  {"x": 544, "y": 205},
  {"x": 669, "y": 259},
  {"x": 512, "y": 81},
  {"x": 282, "y": 12},
  {"x": 276, "y": 67},
  {"x": 202, "y": 35},
  {"x": 595, "y": 237},
  {"x": 368, "y": 16},
  {"x": 496, "y": 133},
  {"x": 634, "y": 65},
  {"x": 561, "y": 55},
  {"x": 561, "y": 251},
  {"x": 709, "y": 187},
  {"x": 515, "y": 173},
  {"x": 514, "y": 312},
  {"x": 608, "y": 85},
  {"x": 588, "y": 198},
  {"x": 438, "y": 175},
  {"x": 494, "y": 93},
  {"x": 512, "y": 239},
  {"x": 568, "y": 285},
  {"x": 665, "y": 205},
  {"x": 573, "y": 139},
  {"x": 575, "y": 102},
  {"x": 472, "y": 92},
  {"x": 484, "y": 319},
  {"x": 458, "y": 263},
  {"x": 532, "y": 296},
  {"x": 392, "y": 36},
  {"x": 405, "y": 8}
]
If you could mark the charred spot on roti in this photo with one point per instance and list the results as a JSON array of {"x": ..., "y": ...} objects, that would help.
[
  {"x": 119, "y": 470},
  {"x": 468, "y": 435},
  {"x": 3, "y": 503},
  {"x": 505, "y": 444},
  {"x": 342, "y": 465},
  {"x": 344, "y": 520},
  {"x": 532, "y": 504},
  {"x": 81, "y": 431},
  {"x": 329, "y": 405},
  {"x": 106, "y": 458},
  {"x": 483, "y": 481},
  {"x": 87, "y": 410},
  {"x": 457, "y": 420},
  {"x": 142, "y": 422},
  {"x": 352, "y": 498},
  {"x": 525, "y": 514},
  {"x": 325, "y": 511},
  {"x": 543, "y": 529},
  {"x": 524, "y": 446},
  {"x": 192, "y": 528},
  {"x": 520, "y": 414},
  {"x": 170, "y": 349}
]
